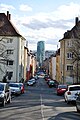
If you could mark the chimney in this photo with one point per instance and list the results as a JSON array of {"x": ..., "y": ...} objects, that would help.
[
  {"x": 8, "y": 15},
  {"x": 76, "y": 20}
]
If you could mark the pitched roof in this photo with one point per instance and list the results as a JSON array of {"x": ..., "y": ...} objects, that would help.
[
  {"x": 6, "y": 27},
  {"x": 73, "y": 33}
]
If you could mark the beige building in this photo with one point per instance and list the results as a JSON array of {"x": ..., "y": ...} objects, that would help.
[
  {"x": 52, "y": 67},
  {"x": 58, "y": 72},
  {"x": 68, "y": 51}
]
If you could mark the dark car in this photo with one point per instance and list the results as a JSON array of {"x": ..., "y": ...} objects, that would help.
[
  {"x": 5, "y": 94},
  {"x": 78, "y": 103},
  {"x": 61, "y": 89},
  {"x": 52, "y": 83},
  {"x": 46, "y": 77}
]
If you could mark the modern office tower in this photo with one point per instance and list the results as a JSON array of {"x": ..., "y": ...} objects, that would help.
[{"x": 40, "y": 52}]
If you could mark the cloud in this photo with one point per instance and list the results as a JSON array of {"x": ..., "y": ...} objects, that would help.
[
  {"x": 67, "y": 12},
  {"x": 48, "y": 27},
  {"x": 4, "y": 7},
  {"x": 25, "y": 8},
  {"x": 37, "y": 25}
]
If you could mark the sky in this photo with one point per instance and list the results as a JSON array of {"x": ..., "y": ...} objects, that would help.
[{"x": 42, "y": 20}]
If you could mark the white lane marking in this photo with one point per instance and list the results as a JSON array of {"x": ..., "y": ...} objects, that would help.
[{"x": 41, "y": 107}]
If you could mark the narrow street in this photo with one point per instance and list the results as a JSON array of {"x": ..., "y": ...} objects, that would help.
[{"x": 39, "y": 102}]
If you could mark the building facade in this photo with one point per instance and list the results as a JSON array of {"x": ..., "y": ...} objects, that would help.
[
  {"x": 58, "y": 72},
  {"x": 70, "y": 55},
  {"x": 12, "y": 51}
]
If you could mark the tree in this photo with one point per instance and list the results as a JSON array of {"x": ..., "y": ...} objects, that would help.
[
  {"x": 4, "y": 57},
  {"x": 76, "y": 57}
]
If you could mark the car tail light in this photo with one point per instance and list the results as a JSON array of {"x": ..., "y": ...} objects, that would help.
[{"x": 69, "y": 93}]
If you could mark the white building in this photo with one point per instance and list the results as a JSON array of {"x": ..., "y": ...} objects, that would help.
[
  {"x": 12, "y": 53},
  {"x": 54, "y": 68}
]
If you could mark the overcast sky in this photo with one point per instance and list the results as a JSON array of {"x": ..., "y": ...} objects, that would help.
[{"x": 42, "y": 20}]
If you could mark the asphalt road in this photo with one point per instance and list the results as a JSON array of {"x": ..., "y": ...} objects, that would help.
[{"x": 39, "y": 102}]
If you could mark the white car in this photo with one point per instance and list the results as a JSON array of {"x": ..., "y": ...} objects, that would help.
[
  {"x": 5, "y": 94},
  {"x": 31, "y": 82},
  {"x": 71, "y": 93},
  {"x": 15, "y": 88}
]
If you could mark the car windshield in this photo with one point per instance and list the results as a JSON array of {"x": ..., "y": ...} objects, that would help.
[
  {"x": 74, "y": 88},
  {"x": 13, "y": 85},
  {"x": 1, "y": 87}
]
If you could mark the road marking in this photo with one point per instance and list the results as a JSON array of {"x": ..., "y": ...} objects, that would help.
[{"x": 41, "y": 107}]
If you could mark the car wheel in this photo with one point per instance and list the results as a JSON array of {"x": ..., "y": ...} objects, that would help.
[
  {"x": 9, "y": 101},
  {"x": 65, "y": 99},
  {"x": 77, "y": 109},
  {"x": 4, "y": 102},
  {"x": 68, "y": 102}
]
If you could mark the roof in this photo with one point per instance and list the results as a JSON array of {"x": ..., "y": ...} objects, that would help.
[
  {"x": 3, "y": 83},
  {"x": 73, "y": 33},
  {"x": 6, "y": 27},
  {"x": 73, "y": 85}
]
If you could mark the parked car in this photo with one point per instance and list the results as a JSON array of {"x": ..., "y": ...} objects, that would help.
[
  {"x": 47, "y": 81},
  {"x": 61, "y": 89},
  {"x": 31, "y": 82},
  {"x": 46, "y": 77},
  {"x": 41, "y": 74},
  {"x": 71, "y": 93},
  {"x": 21, "y": 87},
  {"x": 52, "y": 83},
  {"x": 34, "y": 81},
  {"x": 78, "y": 103},
  {"x": 36, "y": 77},
  {"x": 15, "y": 88},
  {"x": 5, "y": 94}
]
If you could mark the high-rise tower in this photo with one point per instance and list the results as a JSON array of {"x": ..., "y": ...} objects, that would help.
[{"x": 40, "y": 52}]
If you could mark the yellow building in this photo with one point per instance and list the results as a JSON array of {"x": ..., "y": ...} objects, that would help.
[
  {"x": 58, "y": 72},
  {"x": 68, "y": 65}
]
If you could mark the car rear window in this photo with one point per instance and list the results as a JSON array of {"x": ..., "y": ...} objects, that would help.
[
  {"x": 64, "y": 86},
  {"x": 13, "y": 85},
  {"x": 74, "y": 88}
]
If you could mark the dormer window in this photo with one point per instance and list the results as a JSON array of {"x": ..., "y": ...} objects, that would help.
[
  {"x": 9, "y": 40},
  {"x": 69, "y": 43}
]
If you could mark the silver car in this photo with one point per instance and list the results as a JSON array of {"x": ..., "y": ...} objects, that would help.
[
  {"x": 15, "y": 88},
  {"x": 5, "y": 94}
]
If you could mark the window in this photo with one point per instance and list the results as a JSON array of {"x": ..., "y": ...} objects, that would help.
[
  {"x": 9, "y": 62},
  {"x": 69, "y": 43},
  {"x": 9, "y": 40},
  {"x": 69, "y": 67},
  {"x": 9, "y": 51},
  {"x": 69, "y": 55}
]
